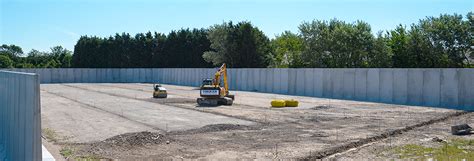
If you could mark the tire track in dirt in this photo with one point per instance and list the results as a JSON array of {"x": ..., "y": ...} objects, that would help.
[
  {"x": 171, "y": 104},
  {"x": 93, "y": 107},
  {"x": 392, "y": 133}
]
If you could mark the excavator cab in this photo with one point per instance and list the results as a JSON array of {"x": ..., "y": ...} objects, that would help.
[
  {"x": 215, "y": 91},
  {"x": 206, "y": 82}
]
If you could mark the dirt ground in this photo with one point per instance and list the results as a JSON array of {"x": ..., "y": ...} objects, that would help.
[{"x": 122, "y": 121}]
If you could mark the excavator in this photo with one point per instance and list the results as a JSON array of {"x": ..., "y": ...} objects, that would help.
[{"x": 213, "y": 93}]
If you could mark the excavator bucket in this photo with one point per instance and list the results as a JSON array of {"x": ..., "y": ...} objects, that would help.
[{"x": 462, "y": 129}]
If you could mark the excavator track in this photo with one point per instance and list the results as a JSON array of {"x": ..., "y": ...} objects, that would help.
[{"x": 214, "y": 101}]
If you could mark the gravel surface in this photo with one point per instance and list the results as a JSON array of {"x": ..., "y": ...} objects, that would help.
[{"x": 122, "y": 121}]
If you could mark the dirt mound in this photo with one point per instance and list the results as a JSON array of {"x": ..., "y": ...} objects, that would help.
[
  {"x": 135, "y": 139},
  {"x": 122, "y": 143}
]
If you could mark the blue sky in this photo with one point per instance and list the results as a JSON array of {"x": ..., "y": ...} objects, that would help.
[{"x": 41, "y": 24}]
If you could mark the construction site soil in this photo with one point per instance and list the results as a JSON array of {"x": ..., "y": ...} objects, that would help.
[{"x": 123, "y": 121}]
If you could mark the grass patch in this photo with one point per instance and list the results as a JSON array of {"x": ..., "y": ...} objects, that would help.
[
  {"x": 69, "y": 154},
  {"x": 88, "y": 158},
  {"x": 455, "y": 149},
  {"x": 50, "y": 134},
  {"x": 66, "y": 152}
]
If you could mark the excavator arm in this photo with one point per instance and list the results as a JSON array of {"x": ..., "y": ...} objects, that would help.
[{"x": 217, "y": 78}]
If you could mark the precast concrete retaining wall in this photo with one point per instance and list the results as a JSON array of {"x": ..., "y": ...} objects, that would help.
[
  {"x": 447, "y": 87},
  {"x": 20, "y": 116}
]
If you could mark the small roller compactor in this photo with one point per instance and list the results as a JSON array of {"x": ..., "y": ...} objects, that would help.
[{"x": 159, "y": 91}]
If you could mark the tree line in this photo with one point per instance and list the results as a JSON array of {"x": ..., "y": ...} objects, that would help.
[
  {"x": 11, "y": 56},
  {"x": 445, "y": 41}
]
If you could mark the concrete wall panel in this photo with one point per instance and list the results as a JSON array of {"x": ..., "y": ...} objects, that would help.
[
  {"x": 467, "y": 88},
  {"x": 400, "y": 86},
  {"x": 141, "y": 75},
  {"x": 148, "y": 75},
  {"x": 77, "y": 75},
  {"x": 300, "y": 82},
  {"x": 284, "y": 78},
  {"x": 309, "y": 82},
  {"x": 318, "y": 83},
  {"x": 136, "y": 76},
  {"x": 250, "y": 79},
  {"x": 292, "y": 80},
  {"x": 129, "y": 75},
  {"x": 327, "y": 83},
  {"x": 63, "y": 77},
  {"x": 46, "y": 74},
  {"x": 167, "y": 76},
  {"x": 360, "y": 79},
  {"x": 257, "y": 80},
  {"x": 55, "y": 75},
  {"x": 92, "y": 75},
  {"x": 431, "y": 87},
  {"x": 373, "y": 85},
  {"x": 349, "y": 83},
  {"x": 269, "y": 80},
  {"x": 182, "y": 77},
  {"x": 189, "y": 77},
  {"x": 415, "y": 86},
  {"x": 337, "y": 80},
  {"x": 20, "y": 121},
  {"x": 449, "y": 87},
  {"x": 263, "y": 80},
  {"x": 276, "y": 80},
  {"x": 115, "y": 75},
  {"x": 386, "y": 85},
  {"x": 98, "y": 75},
  {"x": 231, "y": 78},
  {"x": 70, "y": 75},
  {"x": 155, "y": 75},
  {"x": 84, "y": 75},
  {"x": 179, "y": 76},
  {"x": 243, "y": 73},
  {"x": 198, "y": 77},
  {"x": 162, "y": 75},
  {"x": 107, "y": 77},
  {"x": 122, "y": 75},
  {"x": 101, "y": 75}
]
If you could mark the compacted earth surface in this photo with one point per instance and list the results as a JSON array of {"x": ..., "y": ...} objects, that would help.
[{"x": 123, "y": 121}]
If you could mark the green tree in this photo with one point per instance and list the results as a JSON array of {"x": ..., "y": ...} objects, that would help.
[
  {"x": 287, "y": 51},
  {"x": 449, "y": 35},
  {"x": 5, "y": 62},
  {"x": 336, "y": 44},
  {"x": 11, "y": 50},
  {"x": 240, "y": 46},
  {"x": 470, "y": 17},
  {"x": 380, "y": 54},
  {"x": 398, "y": 42},
  {"x": 443, "y": 41},
  {"x": 62, "y": 56}
]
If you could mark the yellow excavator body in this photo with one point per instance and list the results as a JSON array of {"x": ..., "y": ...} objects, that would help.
[{"x": 215, "y": 91}]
